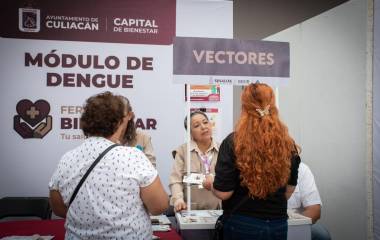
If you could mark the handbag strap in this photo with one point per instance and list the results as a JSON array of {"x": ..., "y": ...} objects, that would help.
[{"x": 89, "y": 170}]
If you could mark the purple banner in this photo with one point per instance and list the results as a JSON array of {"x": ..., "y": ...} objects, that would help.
[
  {"x": 229, "y": 61},
  {"x": 120, "y": 21}
]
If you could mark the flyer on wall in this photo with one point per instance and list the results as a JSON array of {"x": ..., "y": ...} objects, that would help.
[{"x": 203, "y": 93}]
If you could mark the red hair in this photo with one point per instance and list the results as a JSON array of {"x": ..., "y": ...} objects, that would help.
[{"x": 262, "y": 144}]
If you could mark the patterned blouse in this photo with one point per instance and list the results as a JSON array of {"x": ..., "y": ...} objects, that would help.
[{"x": 108, "y": 205}]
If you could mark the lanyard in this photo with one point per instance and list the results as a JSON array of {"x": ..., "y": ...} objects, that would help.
[{"x": 206, "y": 160}]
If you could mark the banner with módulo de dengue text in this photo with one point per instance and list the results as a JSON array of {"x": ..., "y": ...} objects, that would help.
[{"x": 56, "y": 54}]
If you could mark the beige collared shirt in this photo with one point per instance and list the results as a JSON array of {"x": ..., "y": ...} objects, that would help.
[
  {"x": 200, "y": 198},
  {"x": 144, "y": 143}
]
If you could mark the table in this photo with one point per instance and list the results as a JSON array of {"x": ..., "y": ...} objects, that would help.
[
  {"x": 199, "y": 224},
  {"x": 55, "y": 228}
]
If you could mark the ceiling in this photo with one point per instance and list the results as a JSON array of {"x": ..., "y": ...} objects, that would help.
[{"x": 258, "y": 19}]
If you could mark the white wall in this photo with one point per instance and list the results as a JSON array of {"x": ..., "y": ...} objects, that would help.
[
  {"x": 325, "y": 108},
  {"x": 209, "y": 19}
]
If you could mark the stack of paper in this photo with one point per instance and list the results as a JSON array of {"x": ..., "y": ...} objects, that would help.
[
  {"x": 160, "y": 223},
  {"x": 33, "y": 237}
]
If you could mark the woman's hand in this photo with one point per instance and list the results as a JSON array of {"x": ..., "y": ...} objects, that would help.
[
  {"x": 209, "y": 180},
  {"x": 179, "y": 205}
]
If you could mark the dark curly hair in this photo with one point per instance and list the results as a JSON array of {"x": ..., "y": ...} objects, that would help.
[
  {"x": 102, "y": 114},
  {"x": 130, "y": 133}
]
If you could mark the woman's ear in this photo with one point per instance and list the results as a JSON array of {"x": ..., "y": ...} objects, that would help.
[{"x": 130, "y": 115}]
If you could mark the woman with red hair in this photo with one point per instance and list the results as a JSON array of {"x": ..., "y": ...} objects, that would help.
[{"x": 256, "y": 170}]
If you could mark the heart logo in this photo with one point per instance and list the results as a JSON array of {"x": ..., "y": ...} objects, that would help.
[{"x": 33, "y": 113}]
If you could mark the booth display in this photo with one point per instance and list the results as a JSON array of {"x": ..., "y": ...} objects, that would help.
[
  {"x": 226, "y": 62},
  {"x": 200, "y": 224}
]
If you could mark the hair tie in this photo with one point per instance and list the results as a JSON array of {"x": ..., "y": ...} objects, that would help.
[{"x": 263, "y": 112}]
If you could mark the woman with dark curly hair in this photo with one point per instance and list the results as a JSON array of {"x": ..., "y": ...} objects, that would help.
[
  {"x": 257, "y": 170},
  {"x": 114, "y": 200}
]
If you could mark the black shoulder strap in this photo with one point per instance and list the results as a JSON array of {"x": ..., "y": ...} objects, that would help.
[{"x": 89, "y": 170}]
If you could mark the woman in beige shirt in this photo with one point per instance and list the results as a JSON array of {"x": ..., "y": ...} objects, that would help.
[
  {"x": 138, "y": 139},
  {"x": 203, "y": 154}
]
